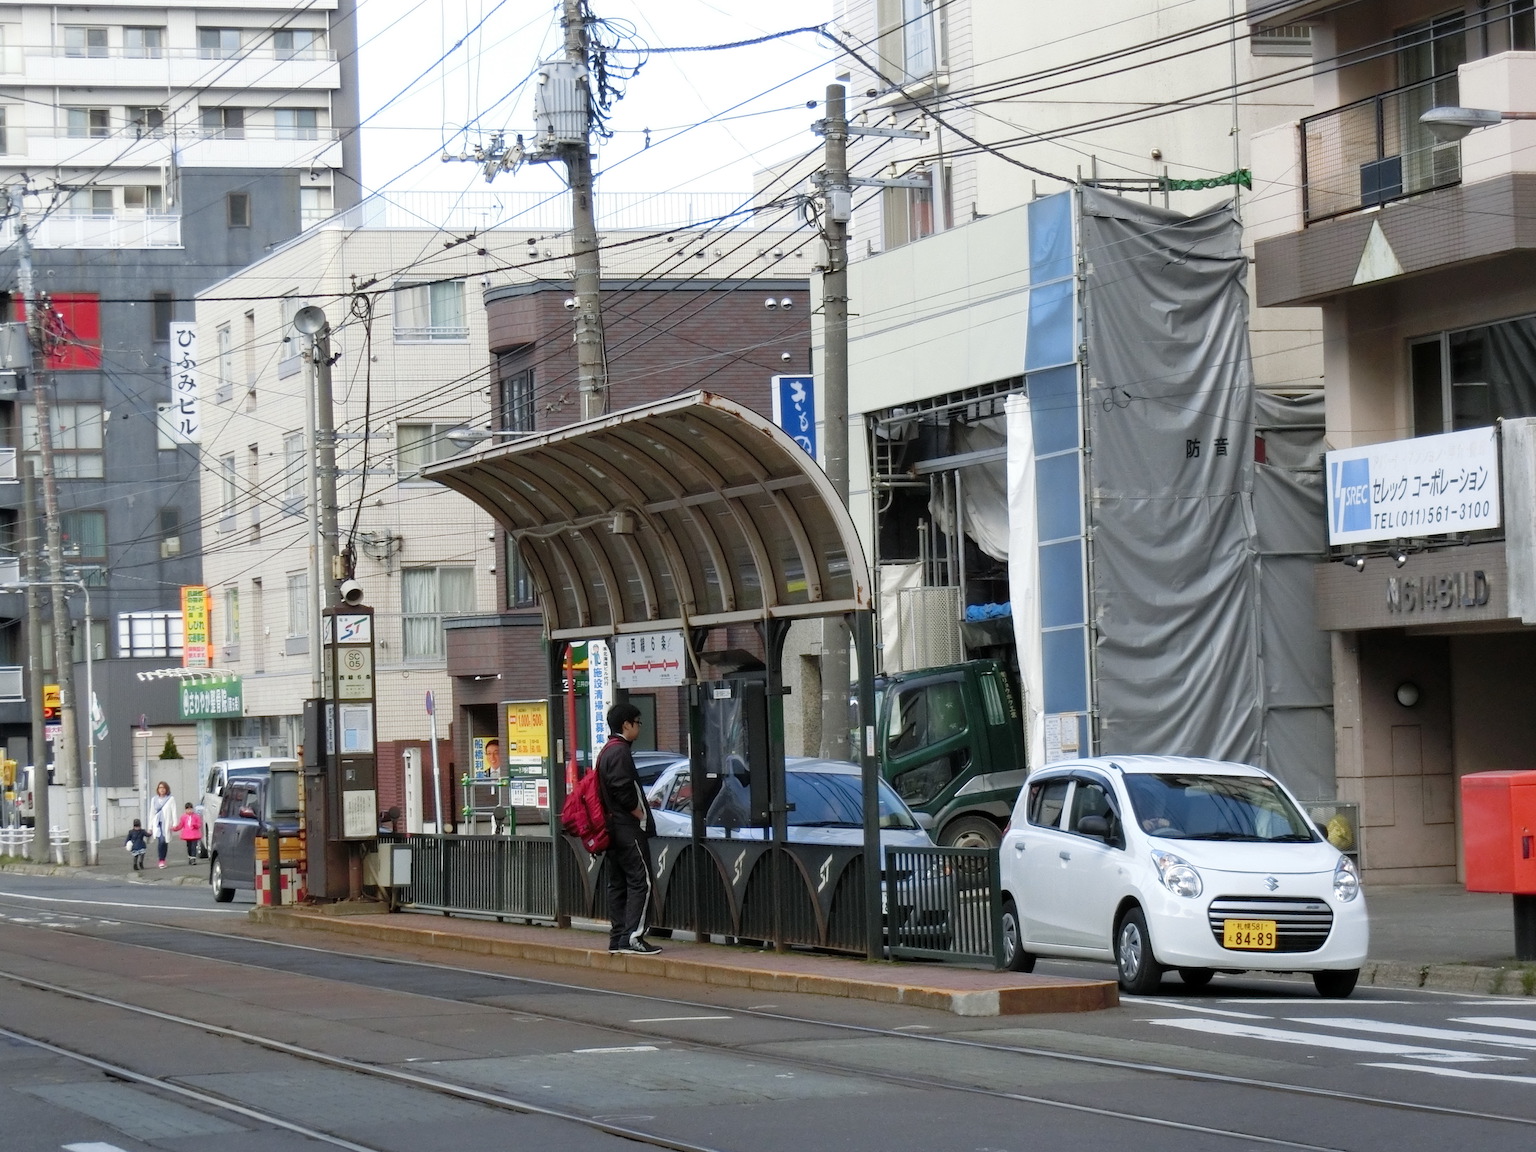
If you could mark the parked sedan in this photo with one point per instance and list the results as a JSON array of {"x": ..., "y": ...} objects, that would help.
[{"x": 1159, "y": 862}]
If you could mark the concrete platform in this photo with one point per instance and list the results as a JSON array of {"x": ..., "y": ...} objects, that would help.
[{"x": 961, "y": 991}]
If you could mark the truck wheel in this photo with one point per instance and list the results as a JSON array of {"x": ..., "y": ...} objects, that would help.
[
  {"x": 971, "y": 832},
  {"x": 216, "y": 878}
]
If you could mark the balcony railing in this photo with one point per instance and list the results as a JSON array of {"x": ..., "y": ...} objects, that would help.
[
  {"x": 1375, "y": 151},
  {"x": 109, "y": 230},
  {"x": 268, "y": 52}
]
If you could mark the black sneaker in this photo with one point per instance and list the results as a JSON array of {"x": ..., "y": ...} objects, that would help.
[
  {"x": 643, "y": 947},
  {"x": 613, "y": 948}
]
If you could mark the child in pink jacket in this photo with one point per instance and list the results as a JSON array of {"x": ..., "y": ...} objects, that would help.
[{"x": 191, "y": 828}]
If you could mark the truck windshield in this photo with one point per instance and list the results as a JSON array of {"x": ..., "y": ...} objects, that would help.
[
  {"x": 1197, "y": 807},
  {"x": 835, "y": 800}
]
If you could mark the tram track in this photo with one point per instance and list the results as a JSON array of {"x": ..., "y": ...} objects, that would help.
[{"x": 632, "y": 1031}]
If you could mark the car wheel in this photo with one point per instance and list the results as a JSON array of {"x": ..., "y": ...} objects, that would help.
[
  {"x": 971, "y": 832},
  {"x": 1015, "y": 959},
  {"x": 216, "y": 878},
  {"x": 1140, "y": 973},
  {"x": 1196, "y": 977},
  {"x": 1336, "y": 984}
]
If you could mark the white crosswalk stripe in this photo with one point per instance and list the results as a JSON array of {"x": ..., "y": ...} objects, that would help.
[
  {"x": 1497, "y": 1022},
  {"x": 1393, "y": 1028},
  {"x": 1459, "y": 1073},
  {"x": 1361, "y": 1045}
]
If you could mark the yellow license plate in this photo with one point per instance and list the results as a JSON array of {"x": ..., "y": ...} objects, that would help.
[{"x": 1256, "y": 935}]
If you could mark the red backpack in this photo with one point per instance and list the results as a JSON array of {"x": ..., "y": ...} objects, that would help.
[{"x": 582, "y": 814}]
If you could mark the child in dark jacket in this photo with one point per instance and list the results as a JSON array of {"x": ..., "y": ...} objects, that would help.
[{"x": 138, "y": 844}]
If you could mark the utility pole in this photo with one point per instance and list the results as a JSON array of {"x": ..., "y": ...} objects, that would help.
[
  {"x": 66, "y": 762},
  {"x": 36, "y": 678},
  {"x": 835, "y": 676},
  {"x": 591, "y": 358}
]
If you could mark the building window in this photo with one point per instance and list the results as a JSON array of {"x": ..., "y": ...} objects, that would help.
[
  {"x": 226, "y": 382},
  {"x": 906, "y": 44},
  {"x": 418, "y": 445},
  {"x": 85, "y": 545},
  {"x": 143, "y": 43},
  {"x": 298, "y": 604},
  {"x": 228, "y": 493},
  {"x": 237, "y": 206},
  {"x": 516, "y": 392},
  {"x": 430, "y": 312},
  {"x": 1474, "y": 377},
  {"x": 908, "y": 213},
  {"x": 170, "y": 533},
  {"x": 224, "y": 123},
  {"x": 521, "y": 592},
  {"x": 258, "y": 626},
  {"x": 297, "y": 123},
  {"x": 85, "y": 42},
  {"x": 218, "y": 43},
  {"x": 231, "y": 619},
  {"x": 1282, "y": 40},
  {"x": 143, "y": 198},
  {"x": 149, "y": 634},
  {"x": 293, "y": 473},
  {"x": 162, "y": 312},
  {"x": 146, "y": 122},
  {"x": 296, "y": 43},
  {"x": 77, "y": 632},
  {"x": 1522, "y": 25},
  {"x": 91, "y": 202},
  {"x": 315, "y": 205},
  {"x": 77, "y": 439},
  {"x": 88, "y": 122},
  {"x": 427, "y": 595},
  {"x": 253, "y": 479},
  {"x": 5, "y": 145}
]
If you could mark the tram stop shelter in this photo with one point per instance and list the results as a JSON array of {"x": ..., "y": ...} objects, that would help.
[{"x": 685, "y": 515}]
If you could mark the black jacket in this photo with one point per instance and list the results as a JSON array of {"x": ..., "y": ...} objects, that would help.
[{"x": 618, "y": 783}]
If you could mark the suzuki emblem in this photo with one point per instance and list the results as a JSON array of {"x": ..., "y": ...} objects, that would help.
[{"x": 1271, "y": 883}]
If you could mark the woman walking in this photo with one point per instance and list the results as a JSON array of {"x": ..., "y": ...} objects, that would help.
[{"x": 163, "y": 818}]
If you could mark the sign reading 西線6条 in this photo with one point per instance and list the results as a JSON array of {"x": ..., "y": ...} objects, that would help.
[
  {"x": 211, "y": 699},
  {"x": 1427, "y": 486}
]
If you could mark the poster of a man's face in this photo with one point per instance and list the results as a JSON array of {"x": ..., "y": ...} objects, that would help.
[{"x": 487, "y": 758}]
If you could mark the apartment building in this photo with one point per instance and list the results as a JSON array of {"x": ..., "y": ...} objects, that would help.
[
  {"x": 150, "y": 149},
  {"x": 1417, "y": 249},
  {"x": 438, "y": 341}
]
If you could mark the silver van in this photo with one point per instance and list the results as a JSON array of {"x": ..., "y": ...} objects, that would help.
[{"x": 219, "y": 776}]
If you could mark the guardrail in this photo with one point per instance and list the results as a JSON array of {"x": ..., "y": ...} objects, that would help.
[
  {"x": 1375, "y": 150},
  {"x": 498, "y": 876},
  {"x": 964, "y": 883}
]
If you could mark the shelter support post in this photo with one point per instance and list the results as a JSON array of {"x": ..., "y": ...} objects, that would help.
[
  {"x": 864, "y": 645},
  {"x": 697, "y": 772},
  {"x": 774, "y": 632},
  {"x": 558, "y": 737}
]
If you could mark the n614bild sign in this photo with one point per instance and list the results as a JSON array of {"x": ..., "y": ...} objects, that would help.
[{"x": 1428, "y": 486}]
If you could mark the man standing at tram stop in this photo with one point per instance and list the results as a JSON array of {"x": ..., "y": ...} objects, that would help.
[{"x": 631, "y": 879}]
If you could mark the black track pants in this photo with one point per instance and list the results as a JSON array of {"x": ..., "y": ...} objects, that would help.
[{"x": 631, "y": 883}]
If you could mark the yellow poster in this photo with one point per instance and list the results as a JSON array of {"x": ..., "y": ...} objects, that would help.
[
  {"x": 528, "y": 736},
  {"x": 196, "y": 645}
]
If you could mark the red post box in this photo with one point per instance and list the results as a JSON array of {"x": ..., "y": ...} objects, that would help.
[{"x": 1499, "y": 834}]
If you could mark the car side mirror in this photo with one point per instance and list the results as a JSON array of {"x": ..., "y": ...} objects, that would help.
[{"x": 1095, "y": 826}]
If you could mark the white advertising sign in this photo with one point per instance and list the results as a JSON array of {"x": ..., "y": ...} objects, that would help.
[
  {"x": 650, "y": 660},
  {"x": 184, "y": 418},
  {"x": 599, "y": 693},
  {"x": 1428, "y": 486}
]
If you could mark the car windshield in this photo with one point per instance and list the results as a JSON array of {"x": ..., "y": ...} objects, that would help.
[
  {"x": 1197, "y": 807},
  {"x": 834, "y": 800}
]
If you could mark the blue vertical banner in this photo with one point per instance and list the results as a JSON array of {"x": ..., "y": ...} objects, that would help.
[{"x": 794, "y": 409}]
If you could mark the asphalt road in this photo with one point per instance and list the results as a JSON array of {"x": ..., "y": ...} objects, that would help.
[{"x": 171, "y": 1023}]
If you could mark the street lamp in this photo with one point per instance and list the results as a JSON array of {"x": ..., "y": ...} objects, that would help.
[
  {"x": 1451, "y": 124},
  {"x": 465, "y": 438},
  {"x": 90, "y": 697}
]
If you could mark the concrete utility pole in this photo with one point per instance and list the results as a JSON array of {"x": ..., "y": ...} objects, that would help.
[
  {"x": 835, "y": 676},
  {"x": 591, "y": 357},
  {"x": 66, "y": 761},
  {"x": 41, "y": 848}
]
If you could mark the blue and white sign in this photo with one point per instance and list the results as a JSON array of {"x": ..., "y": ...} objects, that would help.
[
  {"x": 599, "y": 693},
  {"x": 794, "y": 409},
  {"x": 1427, "y": 486}
]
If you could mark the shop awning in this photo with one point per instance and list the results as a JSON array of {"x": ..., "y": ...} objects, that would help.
[{"x": 691, "y": 512}]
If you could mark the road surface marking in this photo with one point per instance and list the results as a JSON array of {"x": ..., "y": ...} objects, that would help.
[
  {"x": 109, "y": 903},
  {"x": 1184, "y": 1006},
  {"x": 674, "y": 1019},
  {"x": 1340, "y": 1043},
  {"x": 1497, "y": 1022},
  {"x": 1394, "y": 1029},
  {"x": 1459, "y": 1073},
  {"x": 1294, "y": 1000},
  {"x": 95, "y": 1147},
  {"x": 625, "y": 1048}
]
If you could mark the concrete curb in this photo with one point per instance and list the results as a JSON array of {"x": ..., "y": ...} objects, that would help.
[
  {"x": 1510, "y": 980},
  {"x": 888, "y": 983}
]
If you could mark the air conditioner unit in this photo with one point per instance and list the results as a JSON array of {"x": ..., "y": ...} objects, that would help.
[{"x": 169, "y": 547}]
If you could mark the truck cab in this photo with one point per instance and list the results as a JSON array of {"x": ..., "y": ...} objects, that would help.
[{"x": 951, "y": 743}]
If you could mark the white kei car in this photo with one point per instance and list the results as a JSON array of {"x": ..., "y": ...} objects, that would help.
[{"x": 1159, "y": 862}]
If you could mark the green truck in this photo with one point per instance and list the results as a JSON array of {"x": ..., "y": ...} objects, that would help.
[{"x": 951, "y": 742}]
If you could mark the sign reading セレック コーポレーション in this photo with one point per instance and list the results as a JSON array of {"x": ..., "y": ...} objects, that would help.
[
  {"x": 211, "y": 699},
  {"x": 1427, "y": 486}
]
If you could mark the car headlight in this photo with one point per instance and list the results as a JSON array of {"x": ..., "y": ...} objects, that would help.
[
  {"x": 1346, "y": 880},
  {"x": 1178, "y": 875}
]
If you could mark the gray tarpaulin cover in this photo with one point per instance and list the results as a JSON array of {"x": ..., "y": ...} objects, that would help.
[{"x": 1179, "y": 564}]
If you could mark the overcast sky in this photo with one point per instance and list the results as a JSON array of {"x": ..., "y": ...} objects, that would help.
[{"x": 483, "y": 83}]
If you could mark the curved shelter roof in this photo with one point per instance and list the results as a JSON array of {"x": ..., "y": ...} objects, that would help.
[{"x": 691, "y": 512}]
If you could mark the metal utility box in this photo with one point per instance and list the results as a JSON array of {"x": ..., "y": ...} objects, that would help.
[
  {"x": 388, "y": 867},
  {"x": 1499, "y": 831}
]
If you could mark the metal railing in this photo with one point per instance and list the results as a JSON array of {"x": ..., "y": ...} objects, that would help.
[
  {"x": 542, "y": 211},
  {"x": 108, "y": 230},
  {"x": 497, "y": 876},
  {"x": 1375, "y": 150},
  {"x": 963, "y": 885}
]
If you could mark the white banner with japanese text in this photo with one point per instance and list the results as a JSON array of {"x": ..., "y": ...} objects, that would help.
[
  {"x": 184, "y": 419},
  {"x": 1427, "y": 486}
]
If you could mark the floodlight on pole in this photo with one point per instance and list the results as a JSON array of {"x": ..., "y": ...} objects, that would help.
[
  {"x": 309, "y": 320},
  {"x": 465, "y": 438},
  {"x": 1450, "y": 124}
]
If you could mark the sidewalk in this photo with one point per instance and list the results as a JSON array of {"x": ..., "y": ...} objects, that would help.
[{"x": 1439, "y": 938}]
